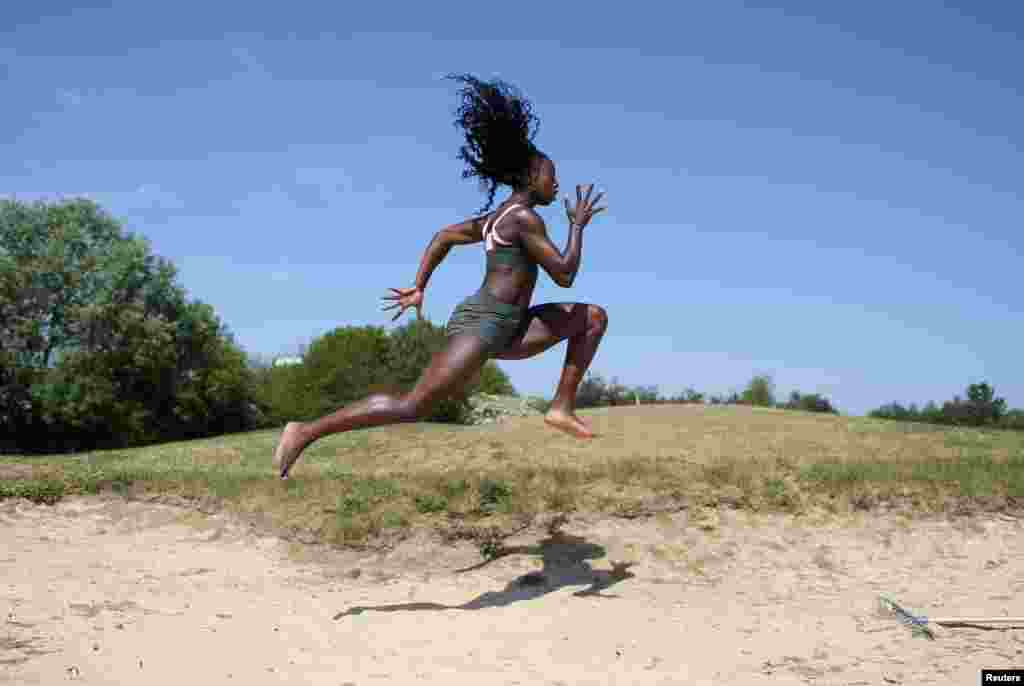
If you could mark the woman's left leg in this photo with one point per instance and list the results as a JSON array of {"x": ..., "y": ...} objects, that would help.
[
  {"x": 448, "y": 372},
  {"x": 584, "y": 326}
]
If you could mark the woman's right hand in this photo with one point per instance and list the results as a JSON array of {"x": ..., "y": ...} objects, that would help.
[{"x": 584, "y": 210}]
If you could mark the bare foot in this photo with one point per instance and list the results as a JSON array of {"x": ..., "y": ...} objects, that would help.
[
  {"x": 289, "y": 447},
  {"x": 569, "y": 423}
]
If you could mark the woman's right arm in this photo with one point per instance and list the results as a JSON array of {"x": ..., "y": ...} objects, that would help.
[{"x": 561, "y": 267}]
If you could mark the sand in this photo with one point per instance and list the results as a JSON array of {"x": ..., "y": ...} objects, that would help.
[{"x": 101, "y": 591}]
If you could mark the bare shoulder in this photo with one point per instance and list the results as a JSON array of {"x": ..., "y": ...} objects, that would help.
[{"x": 527, "y": 219}]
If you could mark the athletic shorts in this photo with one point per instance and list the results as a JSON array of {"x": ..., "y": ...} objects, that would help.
[{"x": 484, "y": 316}]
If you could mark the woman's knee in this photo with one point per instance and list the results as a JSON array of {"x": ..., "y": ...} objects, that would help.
[
  {"x": 597, "y": 318},
  {"x": 401, "y": 407},
  {"x": 409, "y": 409}
]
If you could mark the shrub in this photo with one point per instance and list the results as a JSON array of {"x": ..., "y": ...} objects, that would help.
[{"x": 811, "y": 402}]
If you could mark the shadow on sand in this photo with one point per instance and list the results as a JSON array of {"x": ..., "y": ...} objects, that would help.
[{"x": 564, "y": 564}]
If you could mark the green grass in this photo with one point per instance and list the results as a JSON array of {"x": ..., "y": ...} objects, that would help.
[
  {"x": 976, "y": 474},
  {"x": 46, "y": 491},
  {"x": 353, "y": 487}
]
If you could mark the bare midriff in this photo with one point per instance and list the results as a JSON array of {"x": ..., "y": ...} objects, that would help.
[{"x": 510, "y": 285}]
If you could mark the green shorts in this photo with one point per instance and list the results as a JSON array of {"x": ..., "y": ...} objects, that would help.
[{"x": 484, "y": 316}]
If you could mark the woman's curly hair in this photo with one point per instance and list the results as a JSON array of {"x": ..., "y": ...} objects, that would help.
[{"x": 499, "y": 126}]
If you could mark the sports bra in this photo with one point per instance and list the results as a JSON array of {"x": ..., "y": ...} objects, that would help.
[{"x": 500, "y": 251}]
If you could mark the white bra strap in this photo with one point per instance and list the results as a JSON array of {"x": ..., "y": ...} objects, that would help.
[{"x": 491, "y": 234}]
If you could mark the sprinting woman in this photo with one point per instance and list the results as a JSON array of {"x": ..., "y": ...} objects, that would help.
[{"x": 497, "y": 321}]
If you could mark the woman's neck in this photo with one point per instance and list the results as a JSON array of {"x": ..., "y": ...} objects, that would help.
[{"x": 521, "y": 198}]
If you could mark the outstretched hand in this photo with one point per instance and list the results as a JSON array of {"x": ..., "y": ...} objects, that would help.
[
  {"x": 406, "y": 297},
  {"x": 584, "y": 210}
]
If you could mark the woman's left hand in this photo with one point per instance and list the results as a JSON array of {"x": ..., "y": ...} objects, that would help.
[{"x": 406, "y": 297}]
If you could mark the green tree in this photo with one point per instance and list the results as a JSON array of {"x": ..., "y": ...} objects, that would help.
[
  {"x": 212, "y": 384},
  {"x": 983, "y": 408},
  {"x": 99, "y": 337},
  {"x": 494, "y": 380},
  {"x": 760, "y": 392},
  {"x": 341, "y": 366},
  {"x": 278, "y": 394}
]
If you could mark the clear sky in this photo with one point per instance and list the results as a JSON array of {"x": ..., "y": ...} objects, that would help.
[{"x": 830, "y": 193}]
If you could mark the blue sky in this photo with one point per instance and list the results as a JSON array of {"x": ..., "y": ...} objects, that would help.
[{"x": 828, "y": 193}]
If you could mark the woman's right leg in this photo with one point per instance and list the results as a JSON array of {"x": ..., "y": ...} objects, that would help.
[{"x": 449, "y": 371}]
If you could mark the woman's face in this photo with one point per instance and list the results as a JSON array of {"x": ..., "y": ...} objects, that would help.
[{"x": 545, "y": 182}]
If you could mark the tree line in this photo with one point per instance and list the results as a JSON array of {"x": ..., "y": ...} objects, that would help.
[
  {"x": 979, "y": 408},
  {"x": 596, "y": 391}
]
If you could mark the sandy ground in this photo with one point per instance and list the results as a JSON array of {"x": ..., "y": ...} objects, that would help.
[{"x": 102, "y": 591}]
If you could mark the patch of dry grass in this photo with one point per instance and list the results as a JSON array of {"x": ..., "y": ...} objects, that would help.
[{"x": 354, "y": 487}]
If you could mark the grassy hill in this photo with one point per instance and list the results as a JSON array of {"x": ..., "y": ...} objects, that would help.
[{"x": 375, "y": 484}]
